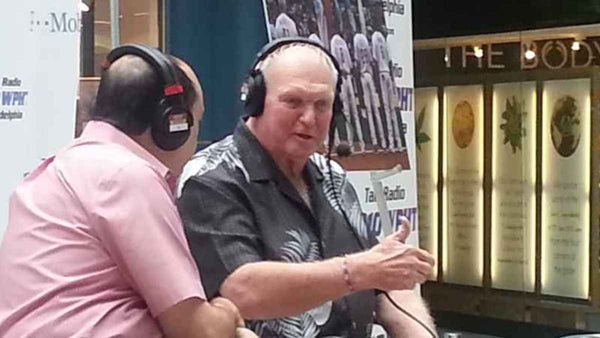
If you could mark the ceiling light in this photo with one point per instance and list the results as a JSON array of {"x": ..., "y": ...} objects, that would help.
[
  {"x": 83, "y": 7},
  {"x": 529, "y": 54}
]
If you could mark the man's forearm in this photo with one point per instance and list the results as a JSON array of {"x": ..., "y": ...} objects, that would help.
[
  {"x": 265, "y": 290},
  {"x": 398, "y": 324},
  {"x": 194, "y": 317}
]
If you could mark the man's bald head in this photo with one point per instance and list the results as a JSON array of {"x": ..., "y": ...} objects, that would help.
[
  {"x": 295, "y": 55},
  {"x": 130, "y": 90}
]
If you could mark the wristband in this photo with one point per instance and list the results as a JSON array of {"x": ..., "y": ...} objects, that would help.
[{"x": 347, "y": 274}]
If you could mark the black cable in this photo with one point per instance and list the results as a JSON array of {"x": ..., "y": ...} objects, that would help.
[
  {"x": 347, "y": 219},
  {"x": 410, "y": 315}
]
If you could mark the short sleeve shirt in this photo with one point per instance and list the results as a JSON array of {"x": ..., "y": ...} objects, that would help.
[
  {"x": 238, "y": 207},
  {"x": 94, "y": 245}
]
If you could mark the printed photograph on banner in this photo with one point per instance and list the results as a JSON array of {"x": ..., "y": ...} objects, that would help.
[{"x": 355, "y": 33}]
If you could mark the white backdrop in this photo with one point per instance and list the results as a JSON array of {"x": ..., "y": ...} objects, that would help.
[
  {"x": 39, "y": 73},
  {"x": 398, "y": 19}
]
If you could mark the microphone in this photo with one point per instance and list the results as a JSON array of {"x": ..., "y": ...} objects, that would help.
[{"x": 343, "y": 150}]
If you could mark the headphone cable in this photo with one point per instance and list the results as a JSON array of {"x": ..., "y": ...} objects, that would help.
[{"x": 410, "y": 315}]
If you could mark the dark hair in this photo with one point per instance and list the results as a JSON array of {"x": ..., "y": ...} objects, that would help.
[{"x": 128, "y": 97}]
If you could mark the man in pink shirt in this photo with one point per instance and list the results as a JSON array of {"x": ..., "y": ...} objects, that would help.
[{"x": 94, "y": 245}]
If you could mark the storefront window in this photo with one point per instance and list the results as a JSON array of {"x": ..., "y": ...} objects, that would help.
[
  {"x": 139, "y": 21},
  {"x": 507, "y": 186}
]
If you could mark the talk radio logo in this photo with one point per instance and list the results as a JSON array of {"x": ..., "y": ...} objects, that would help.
[
  {"x": 13, "y": 99},
  {"x": 55, "y": 22}
]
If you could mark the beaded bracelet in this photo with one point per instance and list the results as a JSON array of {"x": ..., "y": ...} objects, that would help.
[{"x": 347, "y": 274}]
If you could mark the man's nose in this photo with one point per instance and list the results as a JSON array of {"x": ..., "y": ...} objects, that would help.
[{"x": 309, "y": 116}]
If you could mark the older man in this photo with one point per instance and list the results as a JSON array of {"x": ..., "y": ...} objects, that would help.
[
  {"x": 95, "y": 246},
  {"x": 264, "y": 219}
]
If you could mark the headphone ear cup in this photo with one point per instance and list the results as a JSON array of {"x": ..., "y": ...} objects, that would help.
[
  {"x": 256, "y": 92},
  {"x": 163, "y": 134}
]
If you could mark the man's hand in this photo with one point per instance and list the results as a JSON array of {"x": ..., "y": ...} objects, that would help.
[
  {"x": 195, "y": 317},
  {"x": 402, "y": 234},
  {"x": 244, "y": 333},
  {"x": 227, "y": 305},
  {"x": 391, "y": 264}
]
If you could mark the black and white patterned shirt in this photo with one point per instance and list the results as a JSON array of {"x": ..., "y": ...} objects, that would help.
[{"x": 238, "y": 207}]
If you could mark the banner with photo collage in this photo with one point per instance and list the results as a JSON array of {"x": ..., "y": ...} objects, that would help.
[{"x": 39, "y": 72}]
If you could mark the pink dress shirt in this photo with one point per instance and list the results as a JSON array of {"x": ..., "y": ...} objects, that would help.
[{"x": 94, "y": 245}]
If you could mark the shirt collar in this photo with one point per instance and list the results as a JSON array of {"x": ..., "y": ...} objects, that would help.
[
  {"x": 258, "y": 162},
  {"x": 103, "y": 132},
  {"x": 314, "y": 171}
]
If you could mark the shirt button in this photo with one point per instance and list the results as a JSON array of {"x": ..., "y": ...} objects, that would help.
[{"x": 354, "y": 325}]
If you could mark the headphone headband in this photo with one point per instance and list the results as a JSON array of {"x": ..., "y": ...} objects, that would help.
[
  {"x": 154, "y": 57},
  {"x": 274, "y": 45},
  {"x": 254, "y": 89}
]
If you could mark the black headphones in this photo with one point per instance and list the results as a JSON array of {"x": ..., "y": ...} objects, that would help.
[
  {"x": 254, "y": 89},
  {"x": 171, "y": 122}
]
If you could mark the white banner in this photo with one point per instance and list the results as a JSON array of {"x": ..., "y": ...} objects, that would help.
[
  {"x": 398, "y": 19},
  {"x": 398, "y": 197},
  {"x": 39, "y": 73},
  {"x": 400, "y": 189}
]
